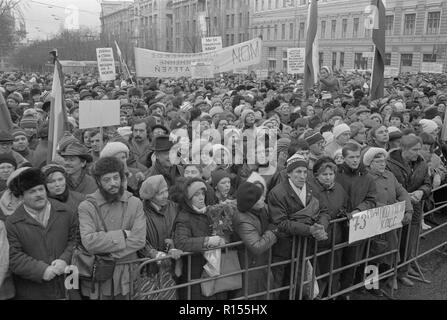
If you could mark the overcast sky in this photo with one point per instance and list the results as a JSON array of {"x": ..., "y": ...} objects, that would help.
[{"x": 44, "y": 17}]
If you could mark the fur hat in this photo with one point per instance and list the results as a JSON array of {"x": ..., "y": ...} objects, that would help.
[
  {"x": 107, "y": 165},
  {"x": 272, "y": 105},
  {"x": 26, "y": 180},
  {"x": 8, "y": 158}
]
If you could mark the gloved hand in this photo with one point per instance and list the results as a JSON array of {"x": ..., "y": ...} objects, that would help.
[
  {"x": 215, "y": 241},
  {"x": 407, "y": 218},
  {"x": 175, "y": 253},
  {"x": 59, "y": 266},
  {"x": 49, "y": 274},
  {"x": 318, "y": 232}
]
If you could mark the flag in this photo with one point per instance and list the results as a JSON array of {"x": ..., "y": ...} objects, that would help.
[
  {"x": 58, "y": 112},
  {"x": 311, "y": 59},
  {"x": 378, "y": 37},
  {"x": 5, "y": 117},
  {"x": 124, "y": 67}
]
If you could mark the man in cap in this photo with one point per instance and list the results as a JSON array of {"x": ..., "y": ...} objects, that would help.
[
  {"x": 121, "y": 233},
  {"x": 316, "y": 146},
  {"x": 162, "y": 164},
  {"x": 295, "y": 212},
  {"x": 76, "y": 158},
  {"x": 41, "y": 235},
  {"x": 6, "y": 143}
]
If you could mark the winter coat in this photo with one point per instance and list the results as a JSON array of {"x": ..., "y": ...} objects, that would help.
[
  {"x": 159, "y": 226},
  {"x": 32, "y": 248},
  {"x": 330, "y": 84},
  {"x": 411, "y": 178},
  {"x": 40, "y": 154},
  {"x": 283, "y": 203},
  {"x": 140, "y": 153},
  {"x": 86, "y": 186},
  {"x": 190, "y": 231},
  {"x": 251, "y": 227},
  {"x": 390, "y": 191},
  {"x": 125, "y": 214},
  {"x": 332, "y": 148},
  {"x": 7, "y": 290},
  {"x": 359, "y": 186}
]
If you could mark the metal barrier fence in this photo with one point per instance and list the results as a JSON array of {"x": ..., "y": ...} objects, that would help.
[{"x": 298, "y": 284}]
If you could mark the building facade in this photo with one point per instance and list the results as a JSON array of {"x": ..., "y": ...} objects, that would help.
[
  {"x": 416, "y": 32},
  {"x": 194, "y": 19}
]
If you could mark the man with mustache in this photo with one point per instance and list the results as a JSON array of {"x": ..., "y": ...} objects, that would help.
[
  {"x": 41, "y": 235},
  {"x": 121, "y": 233},
  {"x": 140, "y": 146}
]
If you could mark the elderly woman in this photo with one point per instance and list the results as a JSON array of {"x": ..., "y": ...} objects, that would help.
[
  {"x": 379, "y": 137},
  {"x": 251, "y": 224},
  {"x": 389, "y": 191},
  {"x": 56, "y": 185},
  {"x": 333, "y": 200},
  {"x": 192, "y": 233}
]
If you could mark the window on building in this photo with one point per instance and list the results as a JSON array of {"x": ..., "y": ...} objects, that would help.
[
  {"x": 240, "y": 19},
  {"x": 360, "y": 62},
  {"x": 232, "y": 39},
  {"x": 269, "y": 33},
  {"x": 344, "y": 28},
  {"x": 227, "y": 39},
  {"x": 320, "y": 59},
  {"x": 387, "y": 59},
  {"x": 227, "y": 21},
  {"x": 323, "y": 29},
  {"x": 409, "y": 23},
  {"x": 232, "y": 20},
  {"x": 272, "y": 65},
  {"x": 276, "y": 32},
  {"x": 277, "y": 4},
  {"x": 334, "y": 60},
  {"x": 284, "y": 65},
  {"x": 291, "y": 31},
  {"x": 302, "y": 27},
  {"x": 429, "y": 57},
  {"x": 389, "y": 25},
  {"x": 433, "y": 22},
  {"x": 303, "y": 2},
  {"x": 283, "y": 31},
  {"x": 333, "y": 28},
  {"x": 272, "y": 52},
  {"x": 270, "y": 4},
  {"x": 257, "y": 5},
  {"x": 342, "y": 59},
  {"x": 284, "y": 54},
  {"x": 355, "y": 29},
  {"x": 406, "y": 59}
]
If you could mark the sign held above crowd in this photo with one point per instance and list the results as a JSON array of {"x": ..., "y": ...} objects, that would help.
[
  {"x": 151, "y": 63},
  {"x": 295, "y": 60},
  {"x": 99, "y": 113},
  {"x": 106, "y": 64}
]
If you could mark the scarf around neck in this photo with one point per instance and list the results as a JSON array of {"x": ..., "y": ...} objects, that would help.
[{"x": 9, "y": 203}]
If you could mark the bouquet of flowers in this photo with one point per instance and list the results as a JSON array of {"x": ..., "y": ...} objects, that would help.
[{"x": 222, "y": 216}]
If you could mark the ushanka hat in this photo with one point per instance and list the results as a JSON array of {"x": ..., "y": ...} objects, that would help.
[
  {"x": 247, "y": 195},
  {"x": 25, "y": 180}
]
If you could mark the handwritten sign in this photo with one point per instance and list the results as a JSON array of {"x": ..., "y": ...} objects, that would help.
[
  {"x": 99, "y": 113},
  {"x": 370, "y": 223},
  {"x": 262, "y": 74},
  {"x": 106, "y": 64},
  {"x": 391, "y": 72},
  {"x": 211, "y": 44},
  {"x": 174, "y": 65},
  {"x": 431, "y": 67},
  {"x": 295, "y": 60},
  {"x": 202, "y": 71}
]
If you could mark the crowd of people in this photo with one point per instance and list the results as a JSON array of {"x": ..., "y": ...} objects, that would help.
[{"x": 118, "y": 192}]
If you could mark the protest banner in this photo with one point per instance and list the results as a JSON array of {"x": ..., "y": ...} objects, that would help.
[
  {"x": 241, "y": 71},
  {"x": 373, "y": 222},
  {"x": 106, "y": 64},
  {"x": 262, "y": 74},
  {"x": 174, "y": 65},
  {"x": 431, "y": 67},
  {"x": 201, "y": 70},
  {"x": 295, "y": 60},
  {"x": 391, "y": 72},
  {"x": 99, "y": 113},
  {"x": 211, "y": 44}
]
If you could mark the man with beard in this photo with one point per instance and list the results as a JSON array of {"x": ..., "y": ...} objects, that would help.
[
  {"x": 140, "y": 146},
  {"x": 41, "y": 235},
  {"x": 112, "y": 221},
  {"x": 162, "y": 165}
]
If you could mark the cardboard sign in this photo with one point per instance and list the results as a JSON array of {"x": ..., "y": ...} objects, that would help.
[
  {"x": 106, "y": 64},
  {"x": 211, "y": 44},
  {"x": 295, "y": 60},
  {"x": 151, "y": 63},
  {"x": 99, "y": 113},
  {"x": 431, "y": 67},
  {"x": 262, "y": 74},
  {"x": 391, "y": 72},
  {"x": 202, "y": 71},
  {"x": 370, "y": 223}
]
